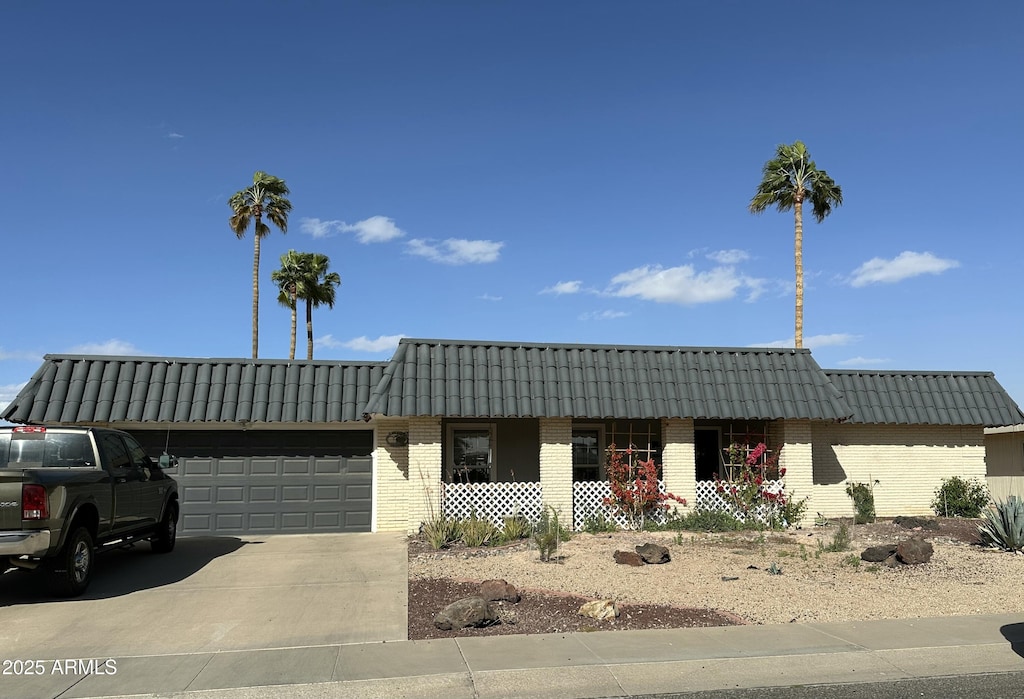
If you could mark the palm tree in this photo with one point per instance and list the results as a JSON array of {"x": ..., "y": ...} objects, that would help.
[
  {"x": 288, "y": 278},
  {"x": 788, "y": 179},
  {"x": 266, "y": 197},
  {"x": 316, "y": 289}
]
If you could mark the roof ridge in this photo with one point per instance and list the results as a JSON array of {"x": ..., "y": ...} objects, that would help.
[{"x": 600, "y": 346}]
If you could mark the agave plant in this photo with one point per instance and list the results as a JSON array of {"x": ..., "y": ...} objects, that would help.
[{"x": 1003, "y": 527}]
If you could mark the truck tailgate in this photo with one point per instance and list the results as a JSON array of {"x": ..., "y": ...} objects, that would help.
[{"x": 10, "y": 498}]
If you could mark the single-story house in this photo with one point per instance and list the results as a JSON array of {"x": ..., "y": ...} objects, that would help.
[{"x": 498, "y": 428}]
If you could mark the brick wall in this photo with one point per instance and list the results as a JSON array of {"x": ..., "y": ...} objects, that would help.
[
  {"x": 909, "y": 461},
  {"x": 796, "y": 457},
  {"x": 678, "y": 459},
  {"x": 424, "y": 492},
  {"x": 556, "y": 465},
  {"x": 391, "y": 479}
]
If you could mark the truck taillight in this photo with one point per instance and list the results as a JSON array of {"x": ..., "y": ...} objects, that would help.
[
  {"x": 34, "y": 503},
  {"x": 29, "y": 429}
]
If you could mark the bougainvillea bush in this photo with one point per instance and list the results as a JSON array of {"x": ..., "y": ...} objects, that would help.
[
  {"x": 751, "y": 495},
  {"x": 636, "y": 492}
]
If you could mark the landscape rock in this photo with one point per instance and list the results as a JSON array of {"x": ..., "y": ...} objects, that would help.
[
  {"x": 915, "y": 523},
  {"x": 469, "y": 611},
  {"x": 914, "y": 551},
  {"x": 653, "y": 553},
  {"x": 878, "y": 554},
  {"x": 600, "y": 609},
  {"x": 628, "y": 558},
  {"x": 499, "y": 591}
]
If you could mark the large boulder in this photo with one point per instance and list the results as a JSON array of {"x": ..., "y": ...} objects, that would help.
[
  {"x": 499, "y": 591},
  {"x": 652, "y": 553},
  {"x": 599, "y": 609},
  {"x": 628, "y": 558},
  {"x": 914, "y": 551},
  {"x": 915, "y": 523},
  {"x": 470, "y": 611},
  {"x": 878, "y": 554}
]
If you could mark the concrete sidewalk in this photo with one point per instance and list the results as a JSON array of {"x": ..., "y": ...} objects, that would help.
[{"x": 599, "y": 664}]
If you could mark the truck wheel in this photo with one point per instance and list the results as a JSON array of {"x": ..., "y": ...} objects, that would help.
[
  {"x": 166, "y": 531},
  {"x": 72, "y": 568}
]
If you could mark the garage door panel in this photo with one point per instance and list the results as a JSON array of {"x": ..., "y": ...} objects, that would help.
[{"x": 261, "y": 494}]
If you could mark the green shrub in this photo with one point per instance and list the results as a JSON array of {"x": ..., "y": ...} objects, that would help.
[
  {"x": 599, "y": 522},
  {"x": 703, "y": 519},
  {"x": 548, "y": 534},
  {"x": 959, "y": 497},
  {"x": 840, "y": 541},
  {"x": 515, "y": 527},
  {"x": 477, "y": 532},
  {"x": 1003, "y": 527},
  {"x": 863, "y": 502},
  {"x": 441, "y": 531}
]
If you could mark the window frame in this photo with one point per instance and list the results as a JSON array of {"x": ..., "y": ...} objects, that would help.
[
  {"x": 602, "y": 446},
  {"x": 450, "y": 467}
]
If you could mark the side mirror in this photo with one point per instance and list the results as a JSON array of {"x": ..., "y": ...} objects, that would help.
[{"x": 168, "y": 462}]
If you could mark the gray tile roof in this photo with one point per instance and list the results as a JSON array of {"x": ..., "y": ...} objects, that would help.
[
  {"x": 91, "y": 389},
  {"x": 498, "y": 379},
  {"x": 926, "y": 398}
]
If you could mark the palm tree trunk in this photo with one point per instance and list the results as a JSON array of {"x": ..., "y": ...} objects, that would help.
[
  {"x": 798, "y": 258},
  {"x": 291, "y": 347},
  {"x": 256, "y": 291},
  {"x": 309, "y": 329}
]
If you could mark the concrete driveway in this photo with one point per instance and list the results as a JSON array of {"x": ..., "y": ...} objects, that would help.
[{"x": 216, "y": 594}]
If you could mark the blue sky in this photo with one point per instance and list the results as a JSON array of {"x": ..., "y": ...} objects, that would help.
[{"x": 532, "y": 171}]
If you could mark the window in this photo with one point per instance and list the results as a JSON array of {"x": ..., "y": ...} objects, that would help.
[
  {"x": 587, "y": 453},
  {"x": 471, "y": 455}
]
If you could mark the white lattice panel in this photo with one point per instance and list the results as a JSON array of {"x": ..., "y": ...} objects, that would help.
[
  {"x": 709, "y": 498},
  {"x": 588, "y": 499},
  {"x": 493, "y": 501}
]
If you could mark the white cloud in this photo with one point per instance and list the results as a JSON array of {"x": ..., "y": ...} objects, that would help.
[
  {"x": 728, "y": 257},
  {"x": 456, "y": 251},
  {"x": 21, "y": 356},
  {"x": 110, "y": 347},
  {"x": 489, "y": 297},
  {"x": 360, "y": 344},
  {"x": 376, "y": 229},
  {"x": 9, "y": 391},
  {"x": 904, "y": 266},
  {"x": 603, "y": 315},
  {"x": 572, "y": 287},
  {"x": 682, "y": 285},
  {"x": 863, "y": 362},
  {"x": 175, "y": 134},
  {"x": 814, "y": 341}
]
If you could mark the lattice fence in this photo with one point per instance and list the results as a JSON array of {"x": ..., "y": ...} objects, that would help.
[
  {"x": 493, "y": 501},
  {"x": 709, "y": 498},
  {"x": 588, "y": 501}
]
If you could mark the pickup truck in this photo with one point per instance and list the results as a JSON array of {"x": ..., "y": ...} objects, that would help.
[{"x": 68, "y": 492}]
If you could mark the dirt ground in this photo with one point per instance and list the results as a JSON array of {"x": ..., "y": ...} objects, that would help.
[{"x": 715, "y": 579}]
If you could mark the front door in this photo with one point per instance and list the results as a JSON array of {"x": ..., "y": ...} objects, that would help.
[{"x": 706, "y": 443}]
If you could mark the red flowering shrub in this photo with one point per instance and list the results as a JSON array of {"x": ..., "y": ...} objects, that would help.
[
  {"x": 634, "y": 486},
  {"x": 757, "y": 492}
]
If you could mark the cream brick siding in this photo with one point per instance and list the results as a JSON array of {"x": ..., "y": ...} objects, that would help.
[
  {"x": 556, "y": 465},
  {"x": 795, "y": 437},
  {"x": 908, "y": 461},
  {"x": 1004, "y": 457},
  {"x": 424, "y": 492},
  {"x": 391, "y": 479},
  {"x": 678, "y": 459}
]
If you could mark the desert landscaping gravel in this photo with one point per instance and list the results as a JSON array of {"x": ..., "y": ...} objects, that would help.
[{"x": 730, "y": 573}]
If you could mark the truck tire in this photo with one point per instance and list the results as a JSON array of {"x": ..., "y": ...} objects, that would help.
[
  {"x": 72, "y": 569},
  {"x": 167, "y": 531}
]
